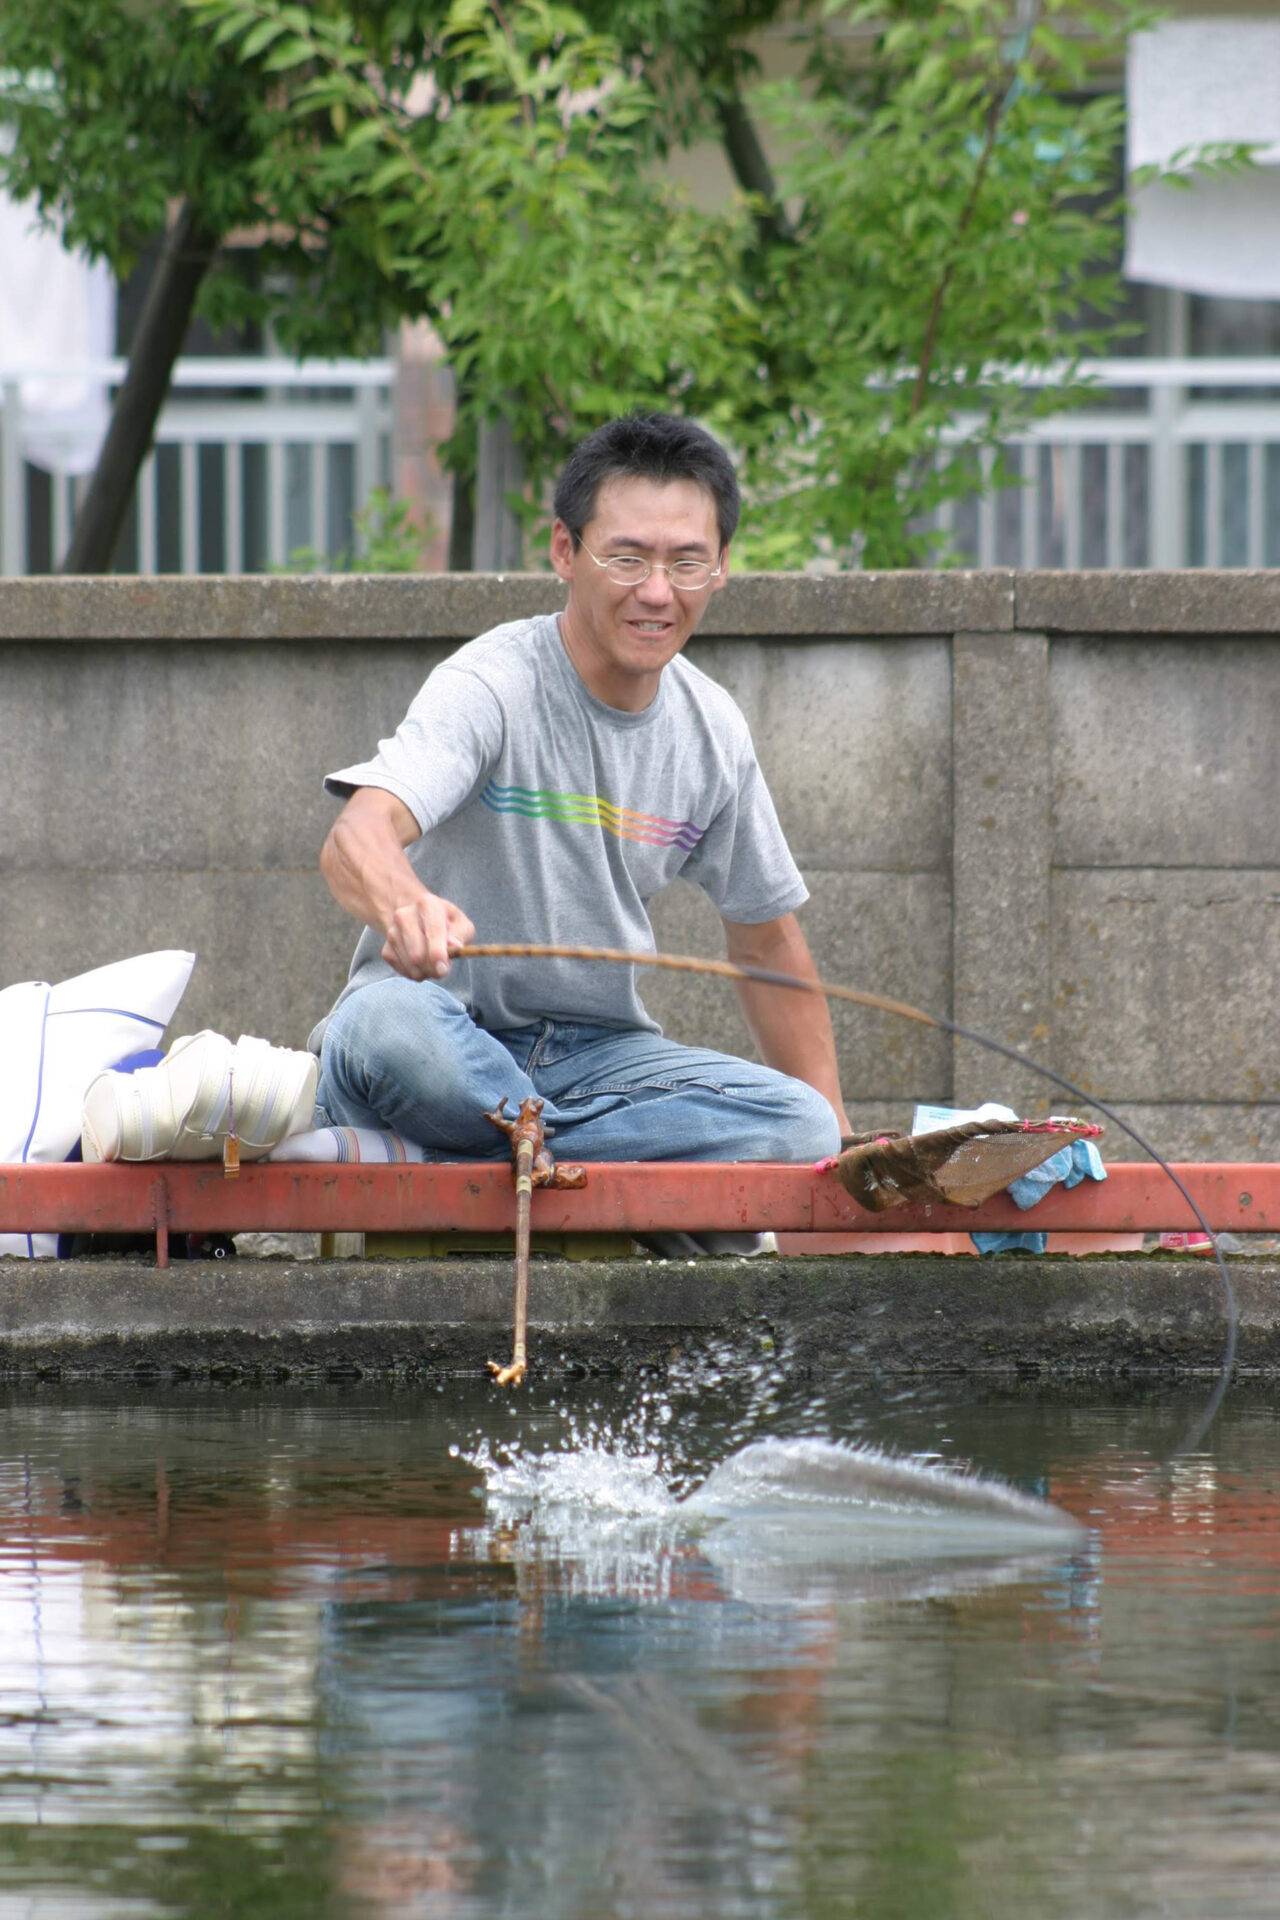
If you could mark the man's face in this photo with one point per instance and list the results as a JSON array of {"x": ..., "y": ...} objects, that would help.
[{"x": 621, "y": 637}]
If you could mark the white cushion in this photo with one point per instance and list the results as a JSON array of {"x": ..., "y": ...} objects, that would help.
[{"x": 54, "y": 1040}]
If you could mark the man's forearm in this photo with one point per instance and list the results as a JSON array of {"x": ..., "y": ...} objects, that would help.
[
  {"x": 366, "y": 868},
  {"x": 791, "y": 1029},
  {"x": 368, "y": 872}
]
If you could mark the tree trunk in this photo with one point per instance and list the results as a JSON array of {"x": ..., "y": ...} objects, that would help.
[
  {"x": 462, "y": 526},
  {"x": 498, "y": 543},
  {"x": 750, "y": 166},
  {"x": 184, "y": 260}
]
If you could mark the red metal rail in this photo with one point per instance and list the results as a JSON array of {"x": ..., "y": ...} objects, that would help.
[{"x": 619, "y": 1197}]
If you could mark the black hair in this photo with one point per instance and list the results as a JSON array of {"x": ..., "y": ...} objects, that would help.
[{"x": 647, "y": 446}]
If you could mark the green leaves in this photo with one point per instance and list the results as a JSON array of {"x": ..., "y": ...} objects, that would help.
[
  {"x": 502, "y": 199},
  {"x": 140, "y": 109},
  {"x": 260, "y": 35},
  {"x": 943, "y": 238}
]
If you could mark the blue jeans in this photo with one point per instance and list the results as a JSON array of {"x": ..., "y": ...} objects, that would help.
[{"x": 407, "y": 1055}]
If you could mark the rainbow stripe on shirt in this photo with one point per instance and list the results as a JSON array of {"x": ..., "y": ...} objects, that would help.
[{"x": 590, "y": 810}]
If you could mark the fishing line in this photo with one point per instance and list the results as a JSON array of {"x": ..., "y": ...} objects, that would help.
[{"x": 901, "y": 1009}]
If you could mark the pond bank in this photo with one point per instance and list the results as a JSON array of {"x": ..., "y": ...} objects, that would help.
[{"x": 1144, "y": 1316}]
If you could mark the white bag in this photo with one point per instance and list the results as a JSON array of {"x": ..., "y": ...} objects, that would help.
[{"x": 54, "y": 1039}]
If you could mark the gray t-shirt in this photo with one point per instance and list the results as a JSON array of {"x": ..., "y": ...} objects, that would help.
[{"x": 548, "y": 816}]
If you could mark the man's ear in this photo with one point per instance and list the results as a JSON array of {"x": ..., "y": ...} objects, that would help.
[
  {"x": 723, "y": 575},
  {"x": 562, "y": 550}
]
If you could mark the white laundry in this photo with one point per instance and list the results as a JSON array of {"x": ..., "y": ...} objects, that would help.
[
  {"x": 56, "y": 309},
  {"x": 1190, "y": 83},
  {"x": 1217, "y": 237}
]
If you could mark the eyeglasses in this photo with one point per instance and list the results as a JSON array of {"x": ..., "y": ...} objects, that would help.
[{"x": 629, "y": 570}]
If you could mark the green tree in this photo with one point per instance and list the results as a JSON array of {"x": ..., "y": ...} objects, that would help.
[
  {"x": 129, "y": 126},
  {"x": 957, "y": 216},
  {"x": 944, "y": 216},
  {"x": 514, "y": 167},
  {"x": 943, "y": 206},
  {"x": 501, "y": 183}
]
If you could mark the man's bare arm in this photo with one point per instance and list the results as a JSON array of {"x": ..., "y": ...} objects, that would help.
[
  {"x": 368, "y": 873},
  {"x": 791, "y": 1029}
]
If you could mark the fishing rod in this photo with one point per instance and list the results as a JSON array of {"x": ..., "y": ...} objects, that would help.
[{"x": 902, "y": 1010}]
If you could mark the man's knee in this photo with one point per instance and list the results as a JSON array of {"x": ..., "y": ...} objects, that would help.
[
  {"x": 806, "y": 1123},
  {"x": 369, "y": 1033}
]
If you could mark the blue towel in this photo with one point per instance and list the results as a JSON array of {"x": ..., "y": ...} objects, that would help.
[{"x": 1070, "y": 1165}]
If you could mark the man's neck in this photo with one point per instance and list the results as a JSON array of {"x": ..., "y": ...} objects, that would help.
[{"x": 626, "y": 692}]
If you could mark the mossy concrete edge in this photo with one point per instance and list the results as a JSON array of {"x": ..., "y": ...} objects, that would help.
[{"x": 910, "y": 1315}]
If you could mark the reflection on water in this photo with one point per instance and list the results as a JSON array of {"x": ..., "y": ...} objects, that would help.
[{"x": 436, "y": 1653}]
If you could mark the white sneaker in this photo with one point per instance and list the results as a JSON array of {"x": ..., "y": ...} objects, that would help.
[{"x": 204, "y": 1089}]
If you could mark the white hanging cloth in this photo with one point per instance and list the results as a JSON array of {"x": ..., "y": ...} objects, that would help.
[
  {"x": 56, "y": 309},
  {"x": 1191, "y": 82}
]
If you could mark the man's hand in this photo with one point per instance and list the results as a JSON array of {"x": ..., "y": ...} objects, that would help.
[
  {"x": 423, "y": 933},
  {"x": 368, "y": 872}
]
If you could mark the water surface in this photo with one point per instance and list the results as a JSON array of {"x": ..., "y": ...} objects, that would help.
[{"x": 436, "y": 1652}]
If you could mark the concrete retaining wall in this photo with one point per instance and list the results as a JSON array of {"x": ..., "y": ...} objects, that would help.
[
  {"x": 884, "y": 1316},
  {"x": 1047, "y": 805}
]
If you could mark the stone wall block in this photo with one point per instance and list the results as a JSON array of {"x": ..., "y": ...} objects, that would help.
[
  {"x": 1165, "y": 752},
  {"x": 1191, "y": 600},
  {"x": 1000, "y": 743},
  {"x": 853, "y": 737},
  {"x": 886, "y": 933},
  {"x": 1164, "y": 983},
  {"x": 272, "y": 950},
  {"x": 185, "y": 757},
  {"x": 257, "y": 608},
  {"x": 1196, "y": 1130}
]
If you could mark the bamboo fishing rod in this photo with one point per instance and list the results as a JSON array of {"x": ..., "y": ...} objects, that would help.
[
  {"x": 902, "y": 1010},
  {"x": 722, "y": 969}
]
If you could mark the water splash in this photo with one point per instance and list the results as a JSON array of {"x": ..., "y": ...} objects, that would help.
[
  {"x": 865, "y": 1483},
  {"x": 779, "y": 1519},
  {"x": 597, "y": 1480},
  {"x": 593, "y": 1520},
  {"x": 810, "y": 1519}
]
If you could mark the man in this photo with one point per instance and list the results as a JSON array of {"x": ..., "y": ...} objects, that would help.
[{"x": 549, "y": 778}]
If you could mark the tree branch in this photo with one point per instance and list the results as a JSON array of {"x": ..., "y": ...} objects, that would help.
[{"x": 930, "y": 341}]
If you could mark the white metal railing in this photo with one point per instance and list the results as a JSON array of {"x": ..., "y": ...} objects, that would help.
[
  {"x": 253, "y": 459},
  {"x": 1178, "y": 464}
]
